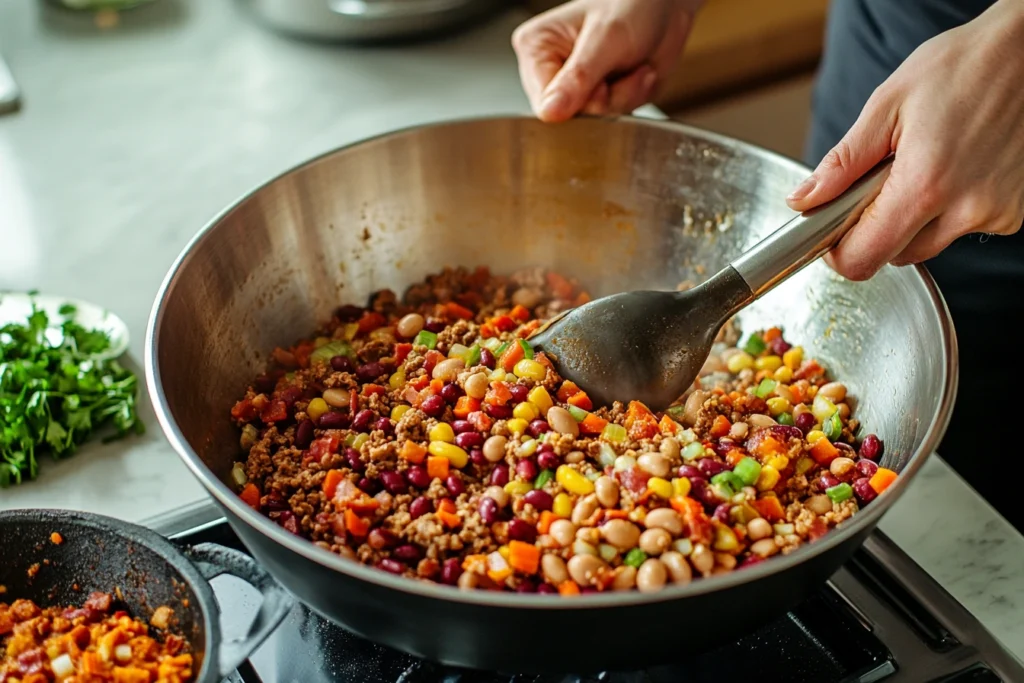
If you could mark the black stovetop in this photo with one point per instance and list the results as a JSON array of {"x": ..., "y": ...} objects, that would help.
[{"x": 880, "y": 618}]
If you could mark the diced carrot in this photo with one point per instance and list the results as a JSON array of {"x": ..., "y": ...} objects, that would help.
[
  {"x": 546, "y": 518},
  {"x": 567, "y": 389},
  {"x": 353, "y": 401},
  {"x": 771, "y": 334},
  {"x": 520, "y": 313},
  {"x": 504, "y": 323},
  {"x": 768, "y": 446},
  {"x": 446, "y": 504},
  {"x": 250, "y": 495},
  {"x": 354, "y": 524},
  {"x": 487, "y": 331},
  {"x": 362, "y": 504},
  {"x": 770, "y": 508},
  {"x": 824, "y": 452},
  {"x": 419, "y": 383},
  {"x": 331, "y": 481},
  {"x": 592, "y": 424},
  {"x": 581, "y": 400},
  {"x": 523, "y": 557},
  {"x": 466, "y": 405},
  {"x": 499, "y": 394},
  {"x": 481, "y": 421},
  {"x": 640, "y": 421},
  {"x": 275, "y": 411},
  {"x": 402, "y": 352},
  {"x": 667, "y": 425},
  {"x": 374, "y": 390},
  {"x": 437, "y": 467},
  {"x": 413, "y": 452},
  {"x": 456, "y": 311},
  {"x": 881, "y": 479},
  {"x": 568, "y": 587},
  {"x": 446, "y": 513},
  {"x": 581, "y": 298},
  {"x": 513, "y": 354},
  {"x": 560, "y": 287},
  {"x": 699, "y": 528},
  {"x": 734, "y": 456},
  {"x": 370, "y": 321},
  {"x": 721, "y": 426},
  {"x": 436, "y": 385}
]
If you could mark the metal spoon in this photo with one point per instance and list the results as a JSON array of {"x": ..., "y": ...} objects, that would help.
[
  {"x": 649, "y": 346},
  {"x": 16, "y": 307}
]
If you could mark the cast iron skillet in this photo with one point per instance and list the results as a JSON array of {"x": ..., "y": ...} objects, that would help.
[{"x": 100, "y": 554}]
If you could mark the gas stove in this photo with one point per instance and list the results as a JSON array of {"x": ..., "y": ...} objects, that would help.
[{"x": 879, "y": 618}]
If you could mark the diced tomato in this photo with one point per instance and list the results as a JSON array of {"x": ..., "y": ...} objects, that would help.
[
  {"x": 634, "y": 479},
  {"x": 328, "y": 443},
  {"x": 487, "y": 331},
  {"x": 808, "y": 369},
  {"x": 721, "y": 426},
  {"x": 331, "y": 481},
  {"x": 503, "y": 323},
  {"x": 430, "y": 359},
  {"x": 402, "y": 352},
  {"x": 244, "y": 411},
  {"x": 454, "y": 310},
  {"x": 373, "y": 390},
  {"x": 275, "y": 411},
  {"x": 513, "y": 354},
  {"x": 667, "y": 425},
  {"x": 498, "y": 394},
  {"x": 302, "y": 352},
  {"x": 520, "y": 313},
  {"x": 466, "y": 405},
  {"x": 698, "y": 524},
  {"x": 250, "y": 495},
  {"x": 567, "y": 389},
  {"x": 481, "y": 421},
  {"x": 285, "y": 359},
  {"x": 817, "y": 529},
  {"x": 581, "y": 400},
  {"x": 640, "y": 421},
  {"x": 419, "y": 383},
  {"x": 770, "y": 508},
  {"x": 370, "y": 321}
]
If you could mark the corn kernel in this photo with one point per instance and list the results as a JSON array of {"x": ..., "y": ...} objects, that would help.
[
  {"x": 681, "y": 487},
  {"x": 442, "y": 431},
  {"x": 572, "y": 481},
  {"x": 456, "y": 456},
  {"x": 562, "y": 506},
  {"x": 517, "y": 425},
  {"x": 526, "y": 411},
  {"x": 739, "y": 362},
  {"x": 769, "y": 363},
  {"x": 397, "y": 380},
  {"x": 540, "y": 397},
  {"x": 351, "y": 330},
  {"x": 783, "y": 375},
  {"x": 398, "y": 411},
  {"x": 779, "y": 462},
  {"x": 518, "y": 488},
  {"x": 529, "y": 369},
  {"x": 768, "y": 478},
  {"x": 316, "y": 408},
  {"x": 814, "y": 436},
  {"x": 662, "y": 488},
  {"x": 804, "y": 465},
  {"x": 503, "y": 551},
  {"x": 528, "y": 448},
  {"x": 794, "y": 357},
  {"x": 777, "y": 406}
]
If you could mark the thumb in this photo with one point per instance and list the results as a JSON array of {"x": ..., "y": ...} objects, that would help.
[
  {"x": 592, "y": 59},
  {"x": 864, "y": 145}
]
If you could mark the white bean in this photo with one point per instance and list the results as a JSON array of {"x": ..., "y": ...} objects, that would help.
[
  {"x": 584, "y": 508},
  {"x": 739, "y": 431},
  {"x": 494, "y": 448},
  {"x": 678, "y": 567},
  {"x": 584, "y": 569},
  {"x": 691, "y": 409},
  {"x": 655, "y": 541},
  {"x": 664, "y": 518},
  {"x": 528, "y": 297},
  {"x": 833, "y": 391},
  {"x": 607, "y": 490},
  {"x": 554, "y": 569},
  {"x": 625, "y": 578},
  {"x": 448, "y": 370},
  {"x": 841, "y": 466},
  {"x": 655, "y": 464},
  {"x": 759, "y": 420},
  {"x": 819, "y": 504},
  {"x": 476, "y": 385},
  {"x": 562, "y": 531},
  {"x": 337, "y": 398},
  {"x": 651, "y": 576},
  {"x": 670, "y": 449},
  {"x": 759, "y": 528},
  {"x": 574, "y": 457},
  {"x": 765, "y": 547},
  {"x": 702, "y": 558},
  {"x": 410, "y": 325},
  {"x": 620, "y": 533},
  {"x": 497, "y": 494},
  {"x": 562, "y": 421}
]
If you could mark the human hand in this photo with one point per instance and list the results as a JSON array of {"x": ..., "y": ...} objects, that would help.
[
  {"x": 599, "y": 56},
  {"x": 953, "y": 113}
]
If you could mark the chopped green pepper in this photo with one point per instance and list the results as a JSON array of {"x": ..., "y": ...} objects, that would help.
[
  {"x": 833, "y": 427},
  {"x": 337, "y": 347},
  {"x": 425, "y": 338},
  {"x": 676, "y": 412},
  {"x": 491, "y": 343},
  {"x": 635, "y": 558},
  {"x": 472, "y": 356},
  {"x": 755, "y": 345},
  {"x": 839, "y": 492},
  {"x": 785, "y": 419},
  {"x": 729, "y": 480},
  {"x": 543, "y": 478},
  {"x": 765, "y": 388},
  {"x": 502, "y": 349},
  {"x": 578, "y": 414},
  {"x": 748, "y": 470},
  {"x": 527, "y": 349}
]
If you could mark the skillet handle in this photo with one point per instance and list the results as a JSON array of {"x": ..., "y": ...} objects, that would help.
[{"x": 213, "y": 560}]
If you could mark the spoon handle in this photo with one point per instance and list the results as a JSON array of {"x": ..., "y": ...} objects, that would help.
[{"x": 809, "y": 235}]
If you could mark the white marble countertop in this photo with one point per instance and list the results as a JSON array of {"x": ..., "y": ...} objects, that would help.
[{"x": 130, "y": 139}]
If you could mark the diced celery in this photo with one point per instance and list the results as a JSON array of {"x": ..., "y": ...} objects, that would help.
[
  {"x": 692, "y": 451},
  {"x": 840, "y": 492},
  {"x": 765, "y": 388},
  {"x": 833, "y": 427},
  {"x": 578, "y": 414},
  {"x": 491, "y": 344},
  {"x": 729, "y": 480},
  {"x": 635, "y": 558},
  {"x": 425, "y": 338},
  {"x": 606, "y": 456},
  {"x": 457, "y": 351},
  {"x": 472, "y": 356},
  {"x": 238, "y": 475},
  {"x": 613, "y": 433},
  {"x": 755, "y": 345},
  {"x": 607, "y": 552},
  {"x": 748, "y": 470}
]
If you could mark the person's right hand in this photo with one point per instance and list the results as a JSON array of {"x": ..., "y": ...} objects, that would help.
[{"x": 600, "y": 56}]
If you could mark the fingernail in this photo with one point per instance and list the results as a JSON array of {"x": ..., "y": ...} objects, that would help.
[
  {"x": 553, "y": 102},
  {"x": 803, "y": 189}
]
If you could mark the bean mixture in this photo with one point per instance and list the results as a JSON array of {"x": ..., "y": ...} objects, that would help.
[
  {"x": 94, "y": 643},
  {"x": 427, "y": 438}
]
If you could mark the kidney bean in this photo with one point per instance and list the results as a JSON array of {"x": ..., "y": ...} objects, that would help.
[
  {"x": 690, "y": 472},
  {"x": 370, "y": 486},
  {"x": 779, "y": 346},
  {"x": 786, "y": 432},
  {"x": 548, "y": 460},
  {"x": 538, "y": 427},
  {"x": 264, "y": 384},
  {"x": 289, "y": 521},
  {"x": 434, "y": 325},
  {"x": 526, "y": 469},
  {"x": 392, "y": 566},
  {"x": 846, "y": 449},
  {"x": 488, "y": 509},
  {"x": 499, "y": 476},
  {"x": 750, "y": 561},
  {"x": 709, "y": 467},
  {"x": 867, "y": 468},
  {"x": 469, "y": 440},
  {"x": 722, "y": 513},
  {"x": 476, "y": 456},
  {"x": 418, "y": 477},
  {"x": 393, "y": 482},
  {"x": 461, "y": 426},
  {"x": 419, "y": 507},
  {"x": 304, "y": 434},
  {"x": 487, "y": 359},
  {"x": 369, "y": 372},
  {"x": 380, "y": 538},
  {"x": 333, "y": 420},
  {"x": 384, "y": 425},
  {"x": 527, "y": 586},
  {"x": 862, "y": 489},
  {"x": 348, "y": 313},
  {"x": 539, "y": 499},
  {"x": 519, "y": 392},
  {"x": 547, "y": 589},
  {"x": 341, "y": 364},
  {"x": 520, "y": 530},
  {"x": 454, "y": 484},
  {"x": 704, "y": 493},
  {"x": 498, "y": 412},
  {"x": 275, "y": 503},
  {"x": 361, "y": 422},
  {"x": 723, "y": 446},
  {"x": 451, "y": 392},
  {"x": 451, "y": 570},
  {"x": 871, "y": 447},
  {"x": 432, "y": 405},
  {"x": 408, "y": 552},
  {"x": 826, "y": 480}
]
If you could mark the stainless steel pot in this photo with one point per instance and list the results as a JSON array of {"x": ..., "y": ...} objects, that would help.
[
  {"x": 619, "y": 203},
  {"x": 369, "y": 20}
]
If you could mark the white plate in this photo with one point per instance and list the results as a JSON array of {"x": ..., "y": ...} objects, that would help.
[{"x": 16, "y": 307}]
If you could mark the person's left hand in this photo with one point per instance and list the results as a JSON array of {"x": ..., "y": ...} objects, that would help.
[{"x": 953, "y": 114}]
